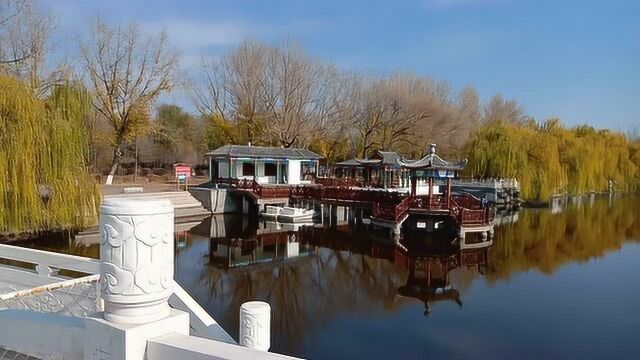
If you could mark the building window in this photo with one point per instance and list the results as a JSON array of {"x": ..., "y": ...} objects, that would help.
[
  {"x": 270, "y": 169},
  {"x": 247, "y": 169},
  {"x": 307, "y": 170}
]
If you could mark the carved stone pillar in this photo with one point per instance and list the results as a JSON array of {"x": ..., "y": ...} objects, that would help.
[
  {"x": 136, "y": 254},
  {"x": 255, "y": 325}
]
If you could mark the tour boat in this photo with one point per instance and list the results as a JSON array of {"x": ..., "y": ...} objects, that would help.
[
  {"x": 287, "y": 214},
  {"x": 271, "y": 212}
]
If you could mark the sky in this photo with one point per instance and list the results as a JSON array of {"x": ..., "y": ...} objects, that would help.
[{"x": 576, "y": 60}]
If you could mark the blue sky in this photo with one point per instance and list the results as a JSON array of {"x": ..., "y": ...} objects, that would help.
[{"x": 577, "y": 60}]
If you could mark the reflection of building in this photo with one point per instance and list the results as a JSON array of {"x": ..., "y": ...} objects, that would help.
[
  {"x": 262, "y": 248},
  {"x": 429, "y": 280},
  {"x": 236, "y": 241}
]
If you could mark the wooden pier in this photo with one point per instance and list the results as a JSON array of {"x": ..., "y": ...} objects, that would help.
[{"x": 428, "y": 193}]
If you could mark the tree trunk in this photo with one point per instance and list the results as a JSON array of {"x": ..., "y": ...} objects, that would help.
[
  {"x": 135, "y": 168},
  {"x": 117, "y": 154}
]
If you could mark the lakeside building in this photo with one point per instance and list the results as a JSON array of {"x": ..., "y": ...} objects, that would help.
[
  {"x": 264, "y": 165},
  {"x": 380, "y": 170}
]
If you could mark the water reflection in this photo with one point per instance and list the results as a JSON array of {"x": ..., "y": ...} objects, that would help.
[
  {"x": 310, "y": 275},
  {"x": 327, "y": 282},
  {"x": 577, "y": 231},
  {"x": 429, "y": 279}
]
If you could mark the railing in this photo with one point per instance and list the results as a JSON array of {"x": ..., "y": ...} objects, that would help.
[
  {"x": 138, "y": 322},
  {"x": 471, "y": 217},
  {"x": 467, "y": 201},
  {"x": 346, "y": 194},
  {"x": 260, "y": 190},
  {"x": 48, "y": 264},
  {"x": 391, "y": 211},
  {"x": 433, "y": 202},
  {"x": 338, "y": 182}
]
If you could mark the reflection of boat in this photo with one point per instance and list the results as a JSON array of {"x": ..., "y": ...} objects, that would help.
[
  {"x": 270, "y": 226},
  {"x": 287, "y": 214}
]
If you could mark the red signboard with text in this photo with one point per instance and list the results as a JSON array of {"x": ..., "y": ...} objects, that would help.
[{"x": 182, "y": 171}]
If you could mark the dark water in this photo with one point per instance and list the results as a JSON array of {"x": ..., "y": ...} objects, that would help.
[{"x": 554, "y": 284}]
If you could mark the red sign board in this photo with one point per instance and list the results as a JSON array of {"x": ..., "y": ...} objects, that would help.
[{"x": 182, "y": 171}]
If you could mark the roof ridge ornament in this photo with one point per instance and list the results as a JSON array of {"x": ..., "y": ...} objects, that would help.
[
  {"x": 432, "y": 149},
  {"x": 431, "y": 161}
]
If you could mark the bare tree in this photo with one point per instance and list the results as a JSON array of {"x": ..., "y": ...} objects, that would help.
[
  {"x": 499, "y": 109},
  {"x": 127, "y": 72},
  {"x": 231, "y": 89},
  {"x": 24, "y": 42},
  {"x": 296, "y": 92},
  {"x": 291, "y": 99}
]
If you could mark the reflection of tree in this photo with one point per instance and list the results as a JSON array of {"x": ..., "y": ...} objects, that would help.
[
  {"x": 303, "y": 292},
  {"x": 544, "y": 241},
  {"x": 348, "y": 272}
]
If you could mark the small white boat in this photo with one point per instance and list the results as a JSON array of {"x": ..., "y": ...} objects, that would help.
[
  {"x": 287, "y": 214},
  {"x": 271, "y": 212}
]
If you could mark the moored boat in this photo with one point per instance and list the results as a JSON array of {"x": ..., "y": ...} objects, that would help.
[{"x": 287, "y": 214}]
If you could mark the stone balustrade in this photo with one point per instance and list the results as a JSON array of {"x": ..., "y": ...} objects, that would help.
[{"x": 136, "y": 278}]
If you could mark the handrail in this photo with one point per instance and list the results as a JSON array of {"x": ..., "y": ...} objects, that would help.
[
  {"x": 46, "y": 261},
  {"x": 202, "y": 324}
]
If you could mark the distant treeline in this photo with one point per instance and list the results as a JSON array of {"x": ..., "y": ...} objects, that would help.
[
  {"x": 550, "y": 159},
  {"x": 61, "y": 122}
]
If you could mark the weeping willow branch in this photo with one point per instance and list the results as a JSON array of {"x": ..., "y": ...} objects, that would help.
[{"x": 44, "y": 183}]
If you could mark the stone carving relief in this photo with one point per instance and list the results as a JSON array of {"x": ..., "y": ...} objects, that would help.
[
  {"x": 136, "y": 253},
  {"x": 255, "y": 323}
]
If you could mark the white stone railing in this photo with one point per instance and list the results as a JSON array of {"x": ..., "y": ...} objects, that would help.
[
  {"x": 48, "y": 263},
  {"x": 137, "y": 287}
]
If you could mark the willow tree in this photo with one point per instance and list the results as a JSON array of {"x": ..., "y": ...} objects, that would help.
[
  {"x": 44, "y": 183},
  {"x": 550, "y": 159},
  {"x": 127, "y": 72}
]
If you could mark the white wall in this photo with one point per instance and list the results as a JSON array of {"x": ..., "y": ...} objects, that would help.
[
  {"x": 238, "y": 171},
  {"x": 293, "y": 172}
]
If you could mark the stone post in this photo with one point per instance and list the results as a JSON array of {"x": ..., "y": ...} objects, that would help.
[
  {"x": 136, "y": 254},
  {"x": 136, "y": 278},
  {"x": 255, "y": 325}
]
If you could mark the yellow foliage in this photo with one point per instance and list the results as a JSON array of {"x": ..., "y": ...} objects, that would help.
[
  {"x": 549, "y": 159},
  {"x": 44, "y": 183}
]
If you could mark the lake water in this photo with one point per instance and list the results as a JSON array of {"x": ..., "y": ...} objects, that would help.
[{"x": 555, "y": 284}]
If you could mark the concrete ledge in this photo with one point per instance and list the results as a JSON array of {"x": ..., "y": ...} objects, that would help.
[
  {"x": 128, "y": 190},
  {"x": 22, "y": 331},
  {"x": 176, "y": 346}
]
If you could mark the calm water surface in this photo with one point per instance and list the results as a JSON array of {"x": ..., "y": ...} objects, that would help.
[{"x": 554, "y": 284}]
